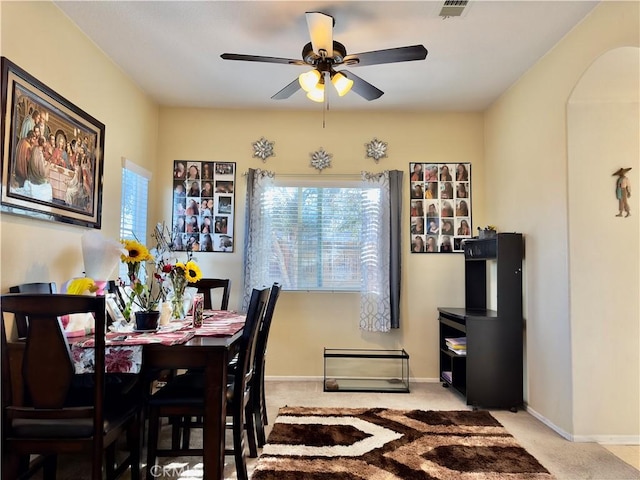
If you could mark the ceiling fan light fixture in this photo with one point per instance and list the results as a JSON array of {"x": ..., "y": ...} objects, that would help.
[
  {"x": 309, "y": 80},
  {"x": 317, "y": 93},
  {"x": 341, "y": 83}
]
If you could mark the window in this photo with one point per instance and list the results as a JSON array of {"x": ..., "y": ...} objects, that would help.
[
  {"x": 315, "y": 236},
  {"x": 323, "y": 235},
  {"x": 135, "y": 196}
]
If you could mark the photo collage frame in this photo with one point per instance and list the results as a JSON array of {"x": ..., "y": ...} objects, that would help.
[
  {"x": 203, "y": 206},
  {"x": 440, "y": 199}
]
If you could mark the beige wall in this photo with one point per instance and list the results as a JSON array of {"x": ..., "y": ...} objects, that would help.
[
  {"x": 518, "y": 149},
  {"x": 39, "y": 38},
  {"x": 308, "y": 322},
  {"x": 526, "y": 161}
]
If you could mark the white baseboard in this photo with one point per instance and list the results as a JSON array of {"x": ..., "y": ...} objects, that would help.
[
  {"x": 320, "y": 379},
  {"x": 424, "y": 380},
  {"x": 550, "y": 424},
  {"x": 292, "y": 379},
  {"x": 602, "y": 439},
  {"x": 609, "y": 439}
]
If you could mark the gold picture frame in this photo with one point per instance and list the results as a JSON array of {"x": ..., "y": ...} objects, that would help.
[{"x": 52, "y": 153}]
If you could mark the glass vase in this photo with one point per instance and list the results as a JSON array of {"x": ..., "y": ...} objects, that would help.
[{"x": 177, "y": 306}]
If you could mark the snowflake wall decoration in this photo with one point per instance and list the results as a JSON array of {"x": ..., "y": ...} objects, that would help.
[
  {"x": 320, "y": 159},
  {"x": 376, "y": 149},
  {"x": 263, "y": 149}
]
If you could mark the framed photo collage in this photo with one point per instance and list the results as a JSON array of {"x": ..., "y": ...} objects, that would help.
[
  {"x": 440, "y": 206},
  {"x": 203, "y": 206}
]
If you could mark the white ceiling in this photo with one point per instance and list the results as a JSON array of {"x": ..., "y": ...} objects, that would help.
[{"x": 172, "y": 49}]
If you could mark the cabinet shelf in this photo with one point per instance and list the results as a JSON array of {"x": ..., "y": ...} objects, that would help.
[
  {"x": 447, "y": 351},
  {"x": 490, "y": 374}
]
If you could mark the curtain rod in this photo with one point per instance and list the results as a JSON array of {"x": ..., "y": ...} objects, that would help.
[
  {"x": 314, "y": 175},
  {"x": 319, "y": 175}
]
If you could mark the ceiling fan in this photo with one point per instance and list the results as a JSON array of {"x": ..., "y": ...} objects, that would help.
[{"x": 323, "y": 53}]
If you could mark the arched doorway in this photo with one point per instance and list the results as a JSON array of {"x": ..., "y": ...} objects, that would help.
[{"x": 603, "y": 134}]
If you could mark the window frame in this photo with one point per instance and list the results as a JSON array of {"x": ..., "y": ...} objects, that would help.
[{"x": 142, "y": 178}]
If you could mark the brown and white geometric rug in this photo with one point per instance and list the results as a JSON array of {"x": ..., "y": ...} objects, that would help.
[{"x": 383, "y": 444}]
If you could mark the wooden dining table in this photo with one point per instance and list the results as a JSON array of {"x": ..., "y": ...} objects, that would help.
[
  {"x": 212, "y": 353},
  {"x": 210, "y": 347}
]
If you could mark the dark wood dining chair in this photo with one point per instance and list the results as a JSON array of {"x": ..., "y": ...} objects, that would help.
[
  {"x": 206, "y": 285},
  {"x": 258, "y": 398},
  {"x": 27, "y": 466},
  {"x": 54, "y": 413},
  {"x": 182, "y": 398},
  {"x": 38, "y": 287}
]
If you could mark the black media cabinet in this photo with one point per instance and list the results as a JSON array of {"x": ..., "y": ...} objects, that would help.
[{"x": 490, "y": 375}]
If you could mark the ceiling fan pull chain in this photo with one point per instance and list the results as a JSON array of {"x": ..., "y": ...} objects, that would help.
[
  {"x": 325, "y": 108},
  {"x": 324, "y": 112}
]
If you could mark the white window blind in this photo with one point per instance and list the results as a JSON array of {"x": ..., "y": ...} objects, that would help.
[
  {"x": 135, "y": 197},
  {"x": 315, "y": 236}
]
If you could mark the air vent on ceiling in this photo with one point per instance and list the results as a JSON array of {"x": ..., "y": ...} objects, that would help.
[{"x": 453, "y": 8}]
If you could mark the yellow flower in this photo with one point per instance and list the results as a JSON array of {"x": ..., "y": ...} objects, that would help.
[
  {"x": 192, "y": 271},
  {"x": 136, "y": 252},
  {"x": 79, "y": 286}
]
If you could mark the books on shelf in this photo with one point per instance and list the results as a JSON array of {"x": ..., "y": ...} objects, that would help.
[
  {"x": 459, "y": 342},
  {"x": 446, "y": 375},
  {"x": 457, "y": 345},
  {"x": 462, "y": 353}
]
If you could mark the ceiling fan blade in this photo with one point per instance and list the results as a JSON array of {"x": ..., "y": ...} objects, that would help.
[
  {"x": 362, "y": 87},
  {"x": 287, "y": 91},
  {"x": 390, "y": 55},
  {"x": 321, "y": 32},
  {"x": 258, "y": 58}
]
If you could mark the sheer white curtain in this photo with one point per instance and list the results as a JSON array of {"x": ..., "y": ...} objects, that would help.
[
  {"x": 381, "y": 254},
  {"x": 257, "y": 239}
]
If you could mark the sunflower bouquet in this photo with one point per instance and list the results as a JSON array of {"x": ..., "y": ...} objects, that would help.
[
  {"x": 180, "y": 275},
  {"x": 177, "y": 275},
  {"x": 144, "y": 295}
]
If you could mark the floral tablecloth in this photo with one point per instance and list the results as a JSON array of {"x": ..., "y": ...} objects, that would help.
[{"x": 124, "y": 349}]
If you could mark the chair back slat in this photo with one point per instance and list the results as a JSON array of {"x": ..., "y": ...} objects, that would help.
[
  {"x": 263, "y": 335},
  {"x": 255, "y": 314},
  {"x": 205, "y": 285},
  {"x": 47, "y": 366}
]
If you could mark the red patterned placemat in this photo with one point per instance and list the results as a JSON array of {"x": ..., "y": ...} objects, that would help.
[
  {"x": 141, "y": 338},
  {"x": 220, "y": 323}
]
